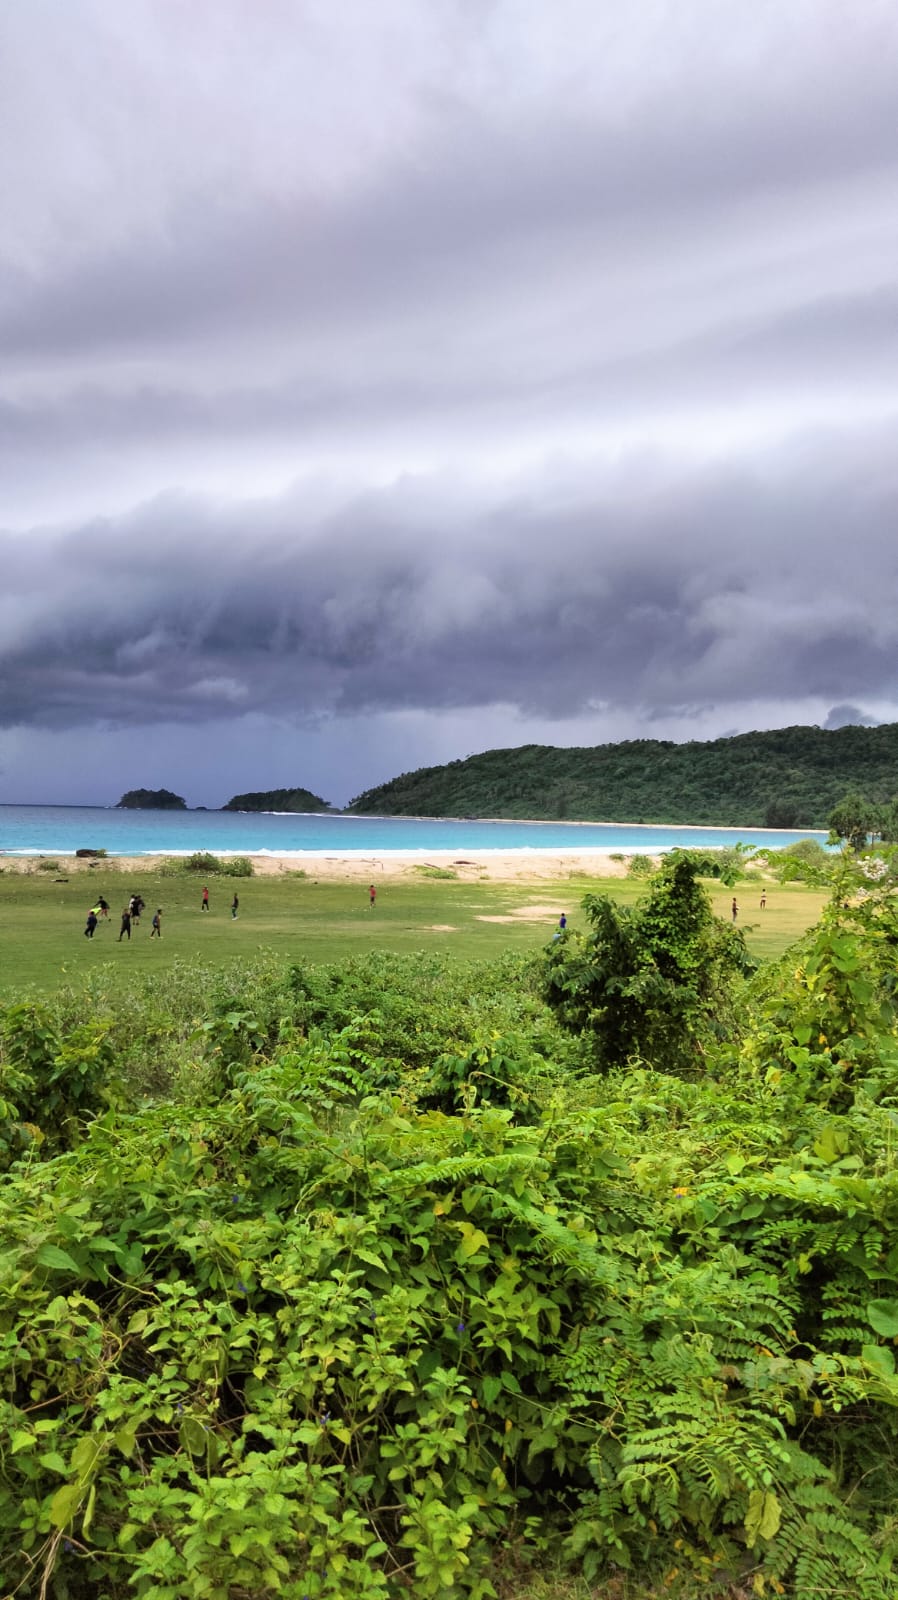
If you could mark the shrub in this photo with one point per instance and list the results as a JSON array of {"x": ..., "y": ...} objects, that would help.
[
  {"x": 237, "y": 867},
  {"x": 202, "y": 861},
  {"x": 640, "y": 867},
  {"x": 46, "y": 864}
]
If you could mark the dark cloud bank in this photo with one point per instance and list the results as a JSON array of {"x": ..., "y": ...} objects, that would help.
[
  {"x": 383, "y": 392},
  {"x": 651, "y": 592}
]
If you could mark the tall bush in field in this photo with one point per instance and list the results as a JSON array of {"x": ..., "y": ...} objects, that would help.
[{"x": 652, "y": 982}]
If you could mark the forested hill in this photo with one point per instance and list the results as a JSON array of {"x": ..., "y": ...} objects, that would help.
[
  {"x": 277, "y": 800},
  {"x": 791, "y": 777}
]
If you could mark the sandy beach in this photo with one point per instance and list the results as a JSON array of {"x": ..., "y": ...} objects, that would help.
[{"x": 525, "y": 866}]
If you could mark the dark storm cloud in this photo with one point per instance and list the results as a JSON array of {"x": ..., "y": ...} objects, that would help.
[
  {"x": 477, "y": 356},
  {"x": 683, "y": 593}
]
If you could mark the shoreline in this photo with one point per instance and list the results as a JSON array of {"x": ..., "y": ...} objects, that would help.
[{"x": 525, "y": 864}]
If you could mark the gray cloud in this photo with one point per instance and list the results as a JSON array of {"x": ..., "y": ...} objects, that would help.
[
  {"x": 667, "y": 596},
  {"x": 530, "y": 367}
]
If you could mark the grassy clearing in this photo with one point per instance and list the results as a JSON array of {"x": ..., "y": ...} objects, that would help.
[{"x": 294, "y": 917}]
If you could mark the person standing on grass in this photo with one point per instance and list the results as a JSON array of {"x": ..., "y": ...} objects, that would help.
[
  {"x": 91, "y": 923},
  {"x": 735, "y": 910},
  {"x": 156, "y": 930},
  {"x": 763, "y": 898},
  {"x": 126, "y": 924},
  {"x": 235, "y": 906},
  {"x": 372, "y": 896},
  {"x": 205, "y": 904}
]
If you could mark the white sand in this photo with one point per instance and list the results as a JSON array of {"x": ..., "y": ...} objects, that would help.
[{"x": 513, "y": 866}]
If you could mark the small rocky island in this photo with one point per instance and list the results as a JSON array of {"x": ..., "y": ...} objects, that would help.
[
  {"x": 277, "y": 800},
  {"x": 151, "y": 800}
]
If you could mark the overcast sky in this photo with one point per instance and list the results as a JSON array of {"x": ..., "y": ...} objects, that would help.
[{"x": 380, "y": 383}]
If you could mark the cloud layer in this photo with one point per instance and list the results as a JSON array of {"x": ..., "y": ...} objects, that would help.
[{"x": 533, "y": 367}]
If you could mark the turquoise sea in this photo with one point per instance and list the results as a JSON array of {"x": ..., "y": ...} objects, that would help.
[{"x": 61, "y": 830}]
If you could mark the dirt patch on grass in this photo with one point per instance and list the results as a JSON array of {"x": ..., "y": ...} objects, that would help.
[
  {"x": 525, "y": 914},
  {"x": 441, "y": 927}
]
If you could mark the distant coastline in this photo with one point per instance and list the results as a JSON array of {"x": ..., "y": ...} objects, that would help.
[{"x": 60, "y": 831}]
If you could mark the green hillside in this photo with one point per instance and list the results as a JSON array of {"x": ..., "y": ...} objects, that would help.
[
  {"x": 788, "y": 777},
  {"x": 277, "y": 800},
  {"x": 151, "y": 800}
]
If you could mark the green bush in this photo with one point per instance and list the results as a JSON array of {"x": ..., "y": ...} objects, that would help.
[
  {"x": 392, "y": 1289},
  {"x": 202, "y": 861},
  {"x": 46, "y": 864},
  {"x": 237, "y": 867}
]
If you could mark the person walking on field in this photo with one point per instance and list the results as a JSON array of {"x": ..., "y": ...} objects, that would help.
[
  {"x": 735, "y": 909},
  {"x": 126, "y": 924},
  {"x": 235, "y": 905},
  {"x": 156, "y": 930},
  {"x": 104, "y": 907},
  {"x": 205, "y": 904},
  {"x": 91, "y": 924},
  {"x": 372, "y": 896},
  {"x": 763, "y": 898}
]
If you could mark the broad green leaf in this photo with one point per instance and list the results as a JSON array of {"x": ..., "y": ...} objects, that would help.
[
  {"x": 472, "y": 1240},
  {"x": 492, "y": 1388},
  {"x": 50, "y": 1255},
  {"x": 85, "y": 1455},
  {"x": 882, "y": 1316},
  {"x": 880, "y": 1357},
  {"x": 192, "y": 1435},
  {"x": 125, "y": 1438},
  {"x": 64, "y": 1504}
]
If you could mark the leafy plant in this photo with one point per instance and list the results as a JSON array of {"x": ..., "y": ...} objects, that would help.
[
  {"x": 238, "y": 867},
  {"x": 652, "y": 982}
]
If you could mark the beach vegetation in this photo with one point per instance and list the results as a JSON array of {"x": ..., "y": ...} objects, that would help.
[
  {"x": 202, "y": 861},
  {"x": 237, "y": 867},
  {"x": 404, "y": 1285},
  {"x": 47, "y": 864},
  {"x": 427, "y": 871}
]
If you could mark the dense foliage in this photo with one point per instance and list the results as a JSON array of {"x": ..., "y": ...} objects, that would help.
[
  {"x": 277, "y": 800},
  {"x": 151, "y": 800},
  {"x": 650, "y": 982},
  {"x": 786, "y": 778},
  {"x": 390, "y": 1276}
]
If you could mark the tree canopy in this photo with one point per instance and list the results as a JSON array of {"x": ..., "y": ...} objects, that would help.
[
  {"x": 783, "y": 778},
  {"x": 151, "y": 800},
  {"x": 277, "y": 800}
]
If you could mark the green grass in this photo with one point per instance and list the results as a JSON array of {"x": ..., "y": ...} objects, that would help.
[{"x": 296, "y": 918}]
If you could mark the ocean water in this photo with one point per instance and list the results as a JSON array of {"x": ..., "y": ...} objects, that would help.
[{"x": 61, "y": 830}]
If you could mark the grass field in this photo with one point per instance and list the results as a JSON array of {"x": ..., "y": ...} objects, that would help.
[{"x": 42, "y": 943}]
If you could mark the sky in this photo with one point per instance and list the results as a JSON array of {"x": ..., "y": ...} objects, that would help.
[{"x": 384, "y": 383}]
